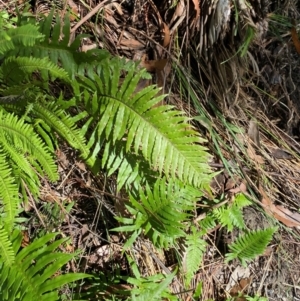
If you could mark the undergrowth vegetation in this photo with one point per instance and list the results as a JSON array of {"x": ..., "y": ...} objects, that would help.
[{"x": 51, "y": 93}]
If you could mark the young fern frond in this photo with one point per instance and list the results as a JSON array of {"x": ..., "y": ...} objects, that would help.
[
  {"x": 250, "y": 245},
  {"x": 161, "y": 210},
  {"x": 195, "y": 248},
  {"x": 20, "y": 279},
  {"x": 231, "y": 215}
]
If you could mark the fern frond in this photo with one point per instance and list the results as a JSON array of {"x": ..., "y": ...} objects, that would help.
[
  {"x": 15, "y": 70},
  {"x": 162, "y": 134},
  {"x": 250, "y": 245},
  {"x": 16, "y": 132},
  {"x": 195, "y": 248},
  {"x": 63, "y": 124},
  {"x": 7, "y": 254},
  {"x": 209, "y": 222},
  {"x": 26, "y": 35},
  {"x": 22, "y": 280},
  {"x": 231, "y": 215},
  {"x": 56, "y": 48},
  {"x": 8, "y": 193},
  {"x": 161, "y": 211}
]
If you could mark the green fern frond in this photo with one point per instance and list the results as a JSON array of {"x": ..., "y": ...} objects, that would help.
[
  {"x": 250, "y": 245},
  {"x": 16, "y": 132},
  {"x": 47, "y": 43},
  {"x": 195, "y": 248},
  {"x": 150, "y": 288},
  {"x": 161, "y": 133},
  {"x": 231, "y": 215},
  {"x": 160, "y": 210},
  {"x": 56, "y": 47},
  {"x": 15, "y": 70},
  {"x": 64, "y": 125},
  {"x": 7, "y": 255},
  {"x": 8, "y": 193},
  {"x": 23, "y": 280},
  {"x": 24, "y": 36},
  {"x": 209, "y": 222}
]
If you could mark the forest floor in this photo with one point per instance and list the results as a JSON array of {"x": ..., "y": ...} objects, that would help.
[{"x": 266, "y": 107}]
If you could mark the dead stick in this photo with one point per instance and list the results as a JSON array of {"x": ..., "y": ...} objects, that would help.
[{"x": 90, "y": 14}]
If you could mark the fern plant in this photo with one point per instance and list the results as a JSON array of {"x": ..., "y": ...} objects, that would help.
[{"x": 157, "y": 156}]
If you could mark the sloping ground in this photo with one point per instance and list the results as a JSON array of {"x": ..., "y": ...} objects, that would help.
[{"x": 246, "y": 100}]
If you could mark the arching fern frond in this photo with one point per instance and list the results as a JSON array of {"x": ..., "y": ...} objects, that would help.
[
  {"x": 250, "y": 245},
  {"x": 15, "y": 70},
  {"x": 163, "y": 134},
  {"x": 27, "y": 35},
  {"x": 16, "y": 132},
  {"x": 20, "y": 279}
]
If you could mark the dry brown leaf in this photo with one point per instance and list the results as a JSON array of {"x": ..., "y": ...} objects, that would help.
[
  {"x": 242, "y": 188},
  {"x": 143, "y": 83},
  {"x": 25, "y": 239},
  {"x": 289, "y": 218},
  {"x": 179, "y": 11},
  {"x": 280, "y": 154},
  {"x": 295, "y": 39},
  {"x": 197, "y": 8},
  {"x": 154, "y": 65},
  {"x": 62, "y": 158},
  {"x": 81, "y": 166},
  {"x": 253, "y": 156},
  {"x": 167, "y": 36},
  {"x": 241, "y": 286},
  {"x": 86, "y": 48},
  {"x": 253, "y": 132},
  {"x": 132, "y": 43},
  {"x": 230, "y": 183},
  {"x": 118, "y": 8},
  {"x": 282, "y": 214}
]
